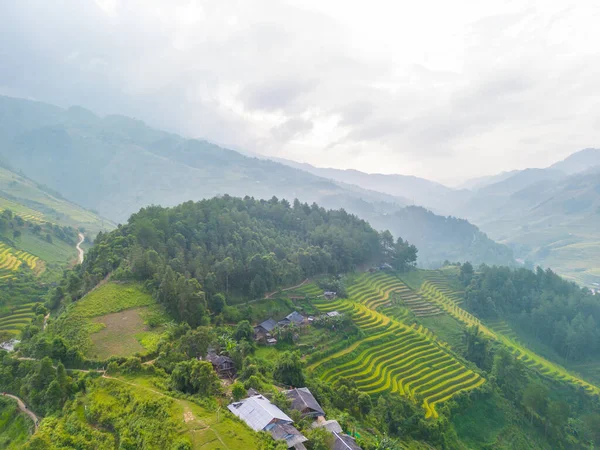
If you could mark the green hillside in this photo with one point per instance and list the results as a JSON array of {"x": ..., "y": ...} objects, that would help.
[
  {"x": 39, "y": 204},
  {"x": 410, "y": 358}
]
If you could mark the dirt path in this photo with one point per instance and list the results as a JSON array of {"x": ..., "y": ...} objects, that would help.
[
  {"x": 25, "y": 409},
  {"x": 79, "y": 249},
  {"x": 46, "y": 321},
  {"x": 271, "y": 294}
]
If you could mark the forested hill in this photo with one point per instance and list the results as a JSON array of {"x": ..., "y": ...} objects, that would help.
[{"x": 239, "y": 248}]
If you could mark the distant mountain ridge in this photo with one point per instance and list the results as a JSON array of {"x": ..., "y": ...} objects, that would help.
[
  {"x": 116, "y": 165},
  {"x": 549, "y": 216},
  {"x": 416, "y": 191}
]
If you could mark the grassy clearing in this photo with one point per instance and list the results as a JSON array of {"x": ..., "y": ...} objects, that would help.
[
  {"x": 111, "y": 298},
  {"x": 111, "y": 320},
  {"x": 119, "y": 335}
]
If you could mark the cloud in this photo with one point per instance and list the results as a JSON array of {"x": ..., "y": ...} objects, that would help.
[
  {"x": 477, "y": 88},
  {"x": 275, "y": 95},
  {"x": 292, "y": 129}
]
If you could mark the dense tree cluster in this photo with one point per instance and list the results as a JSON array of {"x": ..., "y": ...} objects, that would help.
[
  {"x": 541, "y": 304},
  {"x": 44, "y": 386},
  {"x": 196, "y": 256}
]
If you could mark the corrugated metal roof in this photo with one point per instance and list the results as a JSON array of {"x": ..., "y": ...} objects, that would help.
[
  {"x": 258, "y": 412},
  {"x": 344, "y": 442},
  {"x": 295, "y": 317},
  {"x": 268, "y": 325},
  {"x": 302, "y": 399}
]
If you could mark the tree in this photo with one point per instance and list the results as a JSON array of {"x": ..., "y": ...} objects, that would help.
[
  {"x": 289, "y": 369},
  {"x": 319, "y": 439},
  {"x": 238, "y": 391},
  {"x": 364, "y": 403},
  {"x": 478, "y": 348},
  {"x": 195, "y": 377},
  {"x": 217, "y": 303},
  {"x": 243, "y": 332},
  {"x": 535, "y": 399},
  {"x": 195, "y": 343},
  {"x": 466, "y": 273}
]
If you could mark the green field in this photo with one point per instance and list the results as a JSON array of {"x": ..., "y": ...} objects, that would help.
[
  {"x": 15, "y": 318},
  {"x": 111, "y": 321},
  {"x": 395, "y": 356}
]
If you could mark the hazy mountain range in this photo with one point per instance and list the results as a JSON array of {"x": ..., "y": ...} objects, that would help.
[
  {"x": 115, "y": 165},
  {"x": 548, "y": 216}
]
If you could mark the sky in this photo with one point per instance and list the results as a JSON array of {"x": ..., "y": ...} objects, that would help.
[{"x": 437, "y": 89}]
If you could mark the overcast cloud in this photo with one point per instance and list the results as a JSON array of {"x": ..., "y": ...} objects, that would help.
[{"x": 443, "y": 90}]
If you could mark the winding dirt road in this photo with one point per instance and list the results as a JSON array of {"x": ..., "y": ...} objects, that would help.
[
  {"x": 23, "y": 408},
  {"x": 271, "y": 294},
  {"x": 79, "y": 249}
]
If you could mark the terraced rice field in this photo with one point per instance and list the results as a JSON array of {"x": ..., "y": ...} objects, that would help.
[
  {"x": 443, "y": 284},
  {"x": 417, "y": 304},
  {"x": 394, "y": 357},
  {"x": 15, "y": 320},
  {"x": 312, "y": 290},
  {"x": 26, "y": 214},
  {"x": 12, "y": 259},
  {"x": 433, "y": 293}
]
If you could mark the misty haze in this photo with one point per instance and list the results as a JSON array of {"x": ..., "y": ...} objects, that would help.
[{"x": 299, "y": 224}]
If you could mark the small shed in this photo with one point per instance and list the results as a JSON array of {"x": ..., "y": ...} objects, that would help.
[
  {"x": 344, "y": 442},
  {"x": 288, "y": 433},
  {"x": 330, "y": 295},
  {"x": 333, "y": 314}
]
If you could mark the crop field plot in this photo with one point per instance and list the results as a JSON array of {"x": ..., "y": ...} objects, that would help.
[
  {"x": 12, "y": 259},
  {"x": 432, "y": 292},
  {"x": 112, "y": 320},
  {"x": 394, "y": 357},
  {"x": 16, "y": 319}
]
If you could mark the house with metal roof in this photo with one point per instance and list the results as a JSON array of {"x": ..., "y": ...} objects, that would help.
[
  {"x": 344, "y": 442},
  {"x": 258, "y": 412},
  {"x": 303, "y": 401},
  {"x": 294, "y": 318},
  {"x": 262, "y": 415},
  {"x": 263, "y": 330}
]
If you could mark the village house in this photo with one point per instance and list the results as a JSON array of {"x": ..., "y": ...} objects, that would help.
[
  {"x": 344, "y": 442},
  {"x": 329, "y": 295},
  {"x": 333, "y": 314},
  {"x": 294, "y": 318},
  {"x": 341, "y": 441},
  {"x": 262, "y": 331},
  {"x": 304, "y": 402},
  {"x": 261, "y": 415},
  {"x": 223, "y": 365}
]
